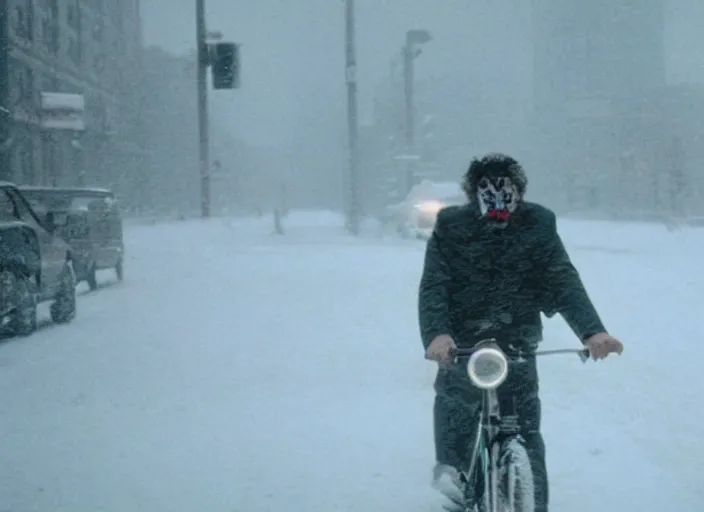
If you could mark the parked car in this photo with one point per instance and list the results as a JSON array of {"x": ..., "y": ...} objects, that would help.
[
  {"x": 89, "y": 219},
  {"x": 36, "y": 265},
  {"x": 415, "y": 216}
]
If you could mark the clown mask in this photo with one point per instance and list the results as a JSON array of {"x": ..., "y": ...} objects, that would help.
[{"x": 497, "y": 197}]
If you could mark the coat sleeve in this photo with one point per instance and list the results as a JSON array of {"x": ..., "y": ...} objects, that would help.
[
  {"x": 564, "y": 290},
  {"x": 433, "y": 297}
]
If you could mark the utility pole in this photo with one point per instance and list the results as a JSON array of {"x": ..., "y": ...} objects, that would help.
[
  {"x": 353, "y": 207},
  {"x": 203, "y": 57}
]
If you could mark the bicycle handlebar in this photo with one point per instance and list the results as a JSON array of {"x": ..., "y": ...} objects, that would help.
[{"x": 583, "y": 353}]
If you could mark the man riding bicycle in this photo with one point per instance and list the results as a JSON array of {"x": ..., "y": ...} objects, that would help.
[{"x": 491, "y": 268}]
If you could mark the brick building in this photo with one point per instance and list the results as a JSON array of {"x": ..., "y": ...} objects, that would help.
[{"x": 88, "y": 51}]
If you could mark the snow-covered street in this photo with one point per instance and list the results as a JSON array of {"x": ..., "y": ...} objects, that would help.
[{"x": 236, "y": 371}]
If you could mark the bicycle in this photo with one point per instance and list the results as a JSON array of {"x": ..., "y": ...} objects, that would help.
[{"x": 499, "y": 465}]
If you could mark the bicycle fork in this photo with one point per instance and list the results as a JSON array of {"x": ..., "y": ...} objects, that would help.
[
  {"x": 493, "y": 477},
  {"x": 482, "y": 473},
  {"x": 486, "y": 467}
]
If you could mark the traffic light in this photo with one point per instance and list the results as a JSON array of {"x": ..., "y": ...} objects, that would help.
[{"x": 226, "y": 66}]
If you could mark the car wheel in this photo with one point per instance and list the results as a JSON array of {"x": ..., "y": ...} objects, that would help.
[
  {"x": 18, "y": 290},
  {"x": 119, "y": 270},
  {"x": 91, "y": 278},
  {"x": 63, "y": 310}
]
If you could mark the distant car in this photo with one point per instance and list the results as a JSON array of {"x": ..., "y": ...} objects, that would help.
[
  {"x": 89, "y": 219},
  {"x": 415, "y": 216},
  {"x": 36, "y": 265}
]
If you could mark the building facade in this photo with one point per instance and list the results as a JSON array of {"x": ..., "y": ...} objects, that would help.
[
  {"x": 593, "y": 62},
  {"x": 599, "y": 49},
  {"x": 85, "y": 51}
]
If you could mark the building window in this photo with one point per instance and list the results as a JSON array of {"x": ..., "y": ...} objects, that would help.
[
  {"x": 30, "y": 20},
  {"x": 20, "y": 22},
  {"x": 22, "y": 86},
  {"x": 46, "y": 32},
  {"x": 74, "y": 50},
  {"x": 54, "y": 10},
  {"x": 74, "y": 16},
  {"x": 29, "y": 85},
  {"x": 23, "y": 20},
  {"x": 20, "y": 89},
  {"x": 50, "y": 35}
]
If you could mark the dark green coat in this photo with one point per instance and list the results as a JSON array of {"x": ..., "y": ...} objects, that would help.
[{"x": 481, "y": 282}]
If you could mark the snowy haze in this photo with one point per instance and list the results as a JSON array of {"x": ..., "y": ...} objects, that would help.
[
  {"x": 234, "y": 370},
  {"x": 476, "y": 77}
]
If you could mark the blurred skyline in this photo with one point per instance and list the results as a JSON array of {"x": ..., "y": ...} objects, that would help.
[
  {"x": 293, "y": 53},
  {"x": 479, "y": 68}
]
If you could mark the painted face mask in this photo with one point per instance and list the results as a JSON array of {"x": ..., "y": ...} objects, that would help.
[{"x": 497, "y": 198}]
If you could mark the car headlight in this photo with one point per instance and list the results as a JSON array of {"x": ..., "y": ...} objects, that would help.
[
  {"x": 430, "y": 207},
  {"x": 487, "y": 368}
]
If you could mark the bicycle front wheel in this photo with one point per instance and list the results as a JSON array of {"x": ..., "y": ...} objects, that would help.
[{"x": 515, "y": 482}]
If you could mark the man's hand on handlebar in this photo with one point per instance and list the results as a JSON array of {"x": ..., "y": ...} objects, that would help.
[
  {"x": 600, "y": 345},
  {"x": 441, "y": 349}
]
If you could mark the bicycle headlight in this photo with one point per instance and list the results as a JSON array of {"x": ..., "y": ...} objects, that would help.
[{"x": 487, "y": 368}]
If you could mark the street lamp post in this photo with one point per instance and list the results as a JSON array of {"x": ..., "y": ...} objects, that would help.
[{"x": 410, "y": 53}]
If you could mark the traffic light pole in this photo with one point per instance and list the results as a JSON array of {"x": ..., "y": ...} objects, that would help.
[{"x": 203, "y": 142}]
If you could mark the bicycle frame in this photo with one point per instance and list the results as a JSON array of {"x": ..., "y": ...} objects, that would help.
[
  {"x": 492, "y": 427},
  {"x": 492, "y": 430}
]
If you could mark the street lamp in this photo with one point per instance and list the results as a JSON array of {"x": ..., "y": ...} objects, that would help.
[{"x": 415, "y": 37}]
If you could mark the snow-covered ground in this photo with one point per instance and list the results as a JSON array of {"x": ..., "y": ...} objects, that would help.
[{"x": 238, "y": 371}]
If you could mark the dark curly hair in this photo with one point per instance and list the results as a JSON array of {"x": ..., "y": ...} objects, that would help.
[{"x": 493, "y": 165}]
